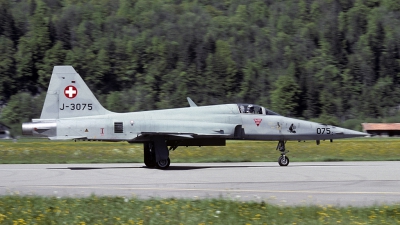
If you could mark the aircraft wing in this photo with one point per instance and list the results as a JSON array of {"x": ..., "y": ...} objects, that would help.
[
  {"x": 146, "y": 135},
  {"x": 183, "y": 139}
]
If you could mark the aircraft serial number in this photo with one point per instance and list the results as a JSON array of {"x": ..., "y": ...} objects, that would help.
[
  {"x": 77, "y": 106},
  {"x": 323, "y": 130}
]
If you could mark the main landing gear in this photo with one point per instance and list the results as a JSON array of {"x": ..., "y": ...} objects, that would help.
[
  {"x": 156, "y": 154},
  {"x": 283, "y": 159}
]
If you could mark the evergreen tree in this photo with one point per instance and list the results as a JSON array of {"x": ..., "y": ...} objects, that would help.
[
  {"x": 307, "y": 58},
  {"x": 284, "y": 97}
]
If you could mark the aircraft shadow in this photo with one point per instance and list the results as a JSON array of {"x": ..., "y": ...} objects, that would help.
[
  {"x": 144, "y": 167},
  {"x": 91, "y": 168},
  {"x": 209, "y": 167},
  {"x": 195, "y": 167}
]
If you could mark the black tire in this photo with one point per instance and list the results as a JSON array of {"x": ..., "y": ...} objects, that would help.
[
  {"x": 163, "y": 164},
  {"x": 150, "y": 163},
  {"x": 283, "y": 160},
  {"x": 149, "y": 156}
]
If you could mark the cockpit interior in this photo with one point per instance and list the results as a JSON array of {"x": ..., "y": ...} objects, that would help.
[{"x": 255, "y": 109}]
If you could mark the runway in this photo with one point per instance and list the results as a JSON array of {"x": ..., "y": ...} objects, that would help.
[{"x": 320, "y": 183}]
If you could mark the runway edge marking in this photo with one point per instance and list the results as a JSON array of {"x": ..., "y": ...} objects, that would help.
[{"x": 222, "y": 190}]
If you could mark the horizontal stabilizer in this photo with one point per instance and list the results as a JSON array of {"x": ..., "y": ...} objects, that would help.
[{"x": 64, "y": 138}]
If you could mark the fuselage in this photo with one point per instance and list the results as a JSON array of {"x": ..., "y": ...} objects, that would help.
[{"x": 218, "y": 121}]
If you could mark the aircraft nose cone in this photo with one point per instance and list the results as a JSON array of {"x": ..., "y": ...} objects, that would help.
[{"x": 353, "y": 133}]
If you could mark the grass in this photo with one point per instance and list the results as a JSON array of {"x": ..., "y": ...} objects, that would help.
[
  {"x": 118, "y": 210},
  {"x": 45, "y": 151}
]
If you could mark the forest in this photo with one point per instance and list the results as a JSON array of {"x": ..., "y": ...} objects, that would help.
[{"x": 334, "y": 61}]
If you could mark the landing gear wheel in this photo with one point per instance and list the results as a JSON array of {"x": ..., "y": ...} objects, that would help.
[
  {"x": 149, "y": 155},
  {"x": 283, "y": 160},
  {"x": 163, "y": 164},
  {"x": 150, "y": 163}
]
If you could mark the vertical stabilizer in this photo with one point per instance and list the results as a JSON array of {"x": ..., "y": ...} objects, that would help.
[{"x": 69, "y": 96}]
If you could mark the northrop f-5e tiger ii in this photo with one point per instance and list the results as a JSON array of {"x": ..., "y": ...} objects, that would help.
[{"x": 71, "y": 111}]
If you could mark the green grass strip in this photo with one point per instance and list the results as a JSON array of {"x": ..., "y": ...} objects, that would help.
[
  {"x": 45, "y": 151},
  {"x": 119, "y": 210}
]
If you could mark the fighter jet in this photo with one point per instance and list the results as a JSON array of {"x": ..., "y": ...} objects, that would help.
[{"x": 71, "y": 111}]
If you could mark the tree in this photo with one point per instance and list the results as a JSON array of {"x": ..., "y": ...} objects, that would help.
[
  {"x": 53, "y": 57},
  {"x": 115, "y": 102},
  {"x": 221, "y": 72},
  {"x": 26, "y": 76},
  {"x": 7, "y": 69},
  {"x": 285, "y": 95},
  {"x": 21, "y": 108},
  {"x": 337, "y": 56},
  {"x": 7, "y": 24}
]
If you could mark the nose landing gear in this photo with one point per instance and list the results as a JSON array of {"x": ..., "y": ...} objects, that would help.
[{"x": 283, "y": 159}]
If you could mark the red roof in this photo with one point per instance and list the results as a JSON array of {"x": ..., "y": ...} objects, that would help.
[{"x": 381, "y": 126}]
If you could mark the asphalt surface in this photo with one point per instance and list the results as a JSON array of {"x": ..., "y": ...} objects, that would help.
[{"x": 320, "y": 183}]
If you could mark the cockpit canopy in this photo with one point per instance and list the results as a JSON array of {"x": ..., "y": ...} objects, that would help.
[{"x": 255, "y": 109}]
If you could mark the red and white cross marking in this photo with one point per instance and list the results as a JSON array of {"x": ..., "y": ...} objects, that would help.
[{"x": 70, "y": 91}]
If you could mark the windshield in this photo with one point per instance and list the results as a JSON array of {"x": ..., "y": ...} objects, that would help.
[{"x": 255, "y": 109}]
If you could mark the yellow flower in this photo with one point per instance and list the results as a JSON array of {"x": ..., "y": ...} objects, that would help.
[{"x": 2, "y": 217}]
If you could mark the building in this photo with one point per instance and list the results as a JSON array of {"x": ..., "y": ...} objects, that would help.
[
  {"x": 4, "y": 132},
  {"x": 382, "y": 129}
]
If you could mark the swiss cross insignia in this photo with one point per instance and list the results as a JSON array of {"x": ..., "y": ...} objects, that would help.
[
  {"x": 257, "y": 121},
  {"x": 70, "y": 91}
]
